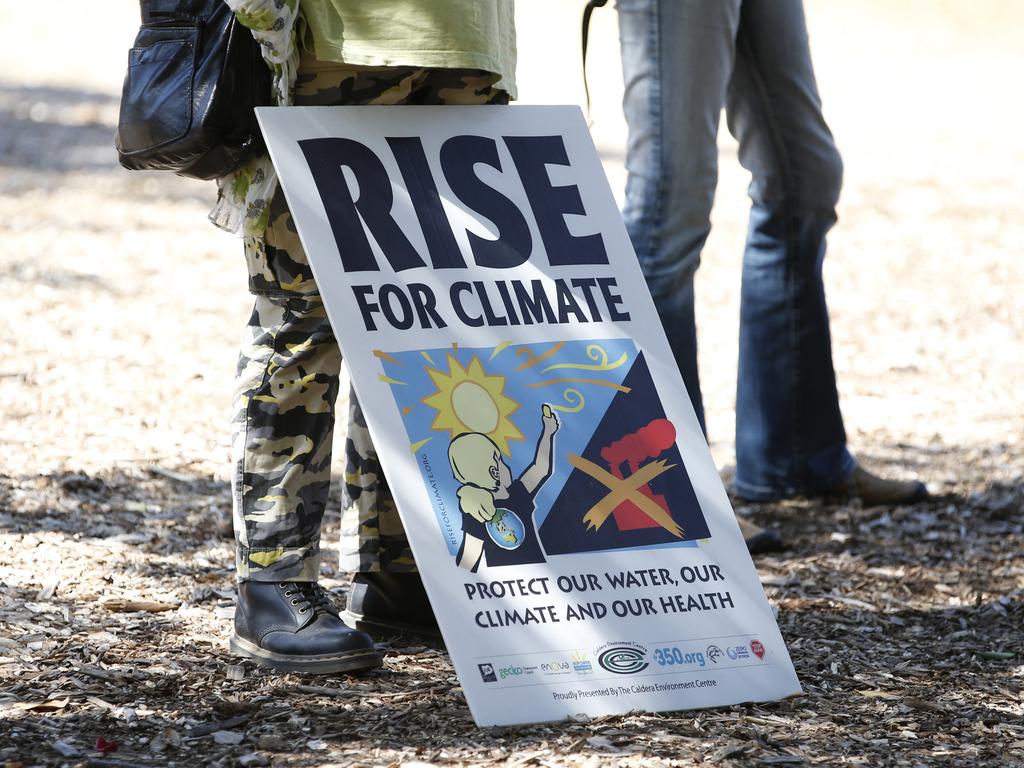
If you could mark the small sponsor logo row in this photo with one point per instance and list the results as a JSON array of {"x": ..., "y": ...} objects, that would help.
[{"x": 624, "y": 658}]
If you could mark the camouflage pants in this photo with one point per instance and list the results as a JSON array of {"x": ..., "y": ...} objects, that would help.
[{"x": 288, "y": 372}]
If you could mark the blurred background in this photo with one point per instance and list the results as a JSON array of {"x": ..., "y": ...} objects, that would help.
[{"x": 123, "y": 306}]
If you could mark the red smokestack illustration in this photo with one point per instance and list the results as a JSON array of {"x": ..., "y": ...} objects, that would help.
[{"x": 630, "y": 452}]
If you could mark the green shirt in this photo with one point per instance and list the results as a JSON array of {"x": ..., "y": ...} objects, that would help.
[{"x": 448, "y": 34}]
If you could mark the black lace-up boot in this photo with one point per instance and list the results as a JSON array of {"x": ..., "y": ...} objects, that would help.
[
  {"x": 292, "y": 626},
  {"x": 389, "y": 603}
]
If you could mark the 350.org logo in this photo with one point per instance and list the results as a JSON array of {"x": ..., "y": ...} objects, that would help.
[{"x": 623, "y": 659}]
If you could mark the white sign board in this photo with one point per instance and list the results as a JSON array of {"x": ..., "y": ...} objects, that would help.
[{"x": 573, "y": 534}]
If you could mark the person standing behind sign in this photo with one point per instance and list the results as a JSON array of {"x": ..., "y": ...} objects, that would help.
[
  {"x": 683, "y": 60},
  {"x": 328, "y": 52}
]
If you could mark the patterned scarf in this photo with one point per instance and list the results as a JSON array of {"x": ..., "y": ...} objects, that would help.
[{"x": 243, "y": 196}]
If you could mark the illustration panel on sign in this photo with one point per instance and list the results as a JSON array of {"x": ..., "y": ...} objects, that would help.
[{"x": 530, "y": 451}]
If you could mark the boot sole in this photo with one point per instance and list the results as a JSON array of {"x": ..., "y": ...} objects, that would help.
[
  {"x": 384, "y": 626},
  {"x": 350, "y": 661}
]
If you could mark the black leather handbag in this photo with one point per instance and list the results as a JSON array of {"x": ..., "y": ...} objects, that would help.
[{"x": 194, "y": 76}]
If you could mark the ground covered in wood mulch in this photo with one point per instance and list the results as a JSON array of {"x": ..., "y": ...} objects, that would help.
[
  {"x": 904, "y": 626},
  {"x": 120, "y": 312}
]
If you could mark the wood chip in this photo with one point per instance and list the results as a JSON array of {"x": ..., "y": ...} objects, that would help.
[
  {"x": 879, "y": 694},
  {"x": 119, "y": 605}
]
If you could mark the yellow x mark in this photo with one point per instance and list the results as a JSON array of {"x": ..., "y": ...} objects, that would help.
[{"x": 627, "y": 489}]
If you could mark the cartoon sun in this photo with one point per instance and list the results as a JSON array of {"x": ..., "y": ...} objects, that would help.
[{"x": 471, "y": 400}]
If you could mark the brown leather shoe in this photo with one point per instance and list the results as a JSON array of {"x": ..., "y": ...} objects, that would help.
[
  {"x": 759, "y": 540},
  {"x": 875, "y": 491}
]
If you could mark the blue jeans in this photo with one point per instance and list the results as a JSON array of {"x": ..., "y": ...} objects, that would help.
[{"x": 683, "y": 60}]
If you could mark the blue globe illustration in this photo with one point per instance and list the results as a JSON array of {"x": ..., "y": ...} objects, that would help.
[{"x": 506, "y": 529}]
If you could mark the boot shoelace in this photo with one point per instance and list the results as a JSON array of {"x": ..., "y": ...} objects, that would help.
[{"x": 308, "y": 596}]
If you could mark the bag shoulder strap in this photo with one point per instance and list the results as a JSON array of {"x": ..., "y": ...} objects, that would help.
[{"x": 585, "y": 34}]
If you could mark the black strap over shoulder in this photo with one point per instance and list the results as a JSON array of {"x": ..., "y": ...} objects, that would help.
[{"x": 587, "y": 11}]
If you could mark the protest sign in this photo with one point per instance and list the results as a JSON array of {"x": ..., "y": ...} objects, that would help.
[{"x": 573, "y": 534}]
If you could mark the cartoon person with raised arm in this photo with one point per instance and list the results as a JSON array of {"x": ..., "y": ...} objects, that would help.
[{"x": 497, "y": 511}]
